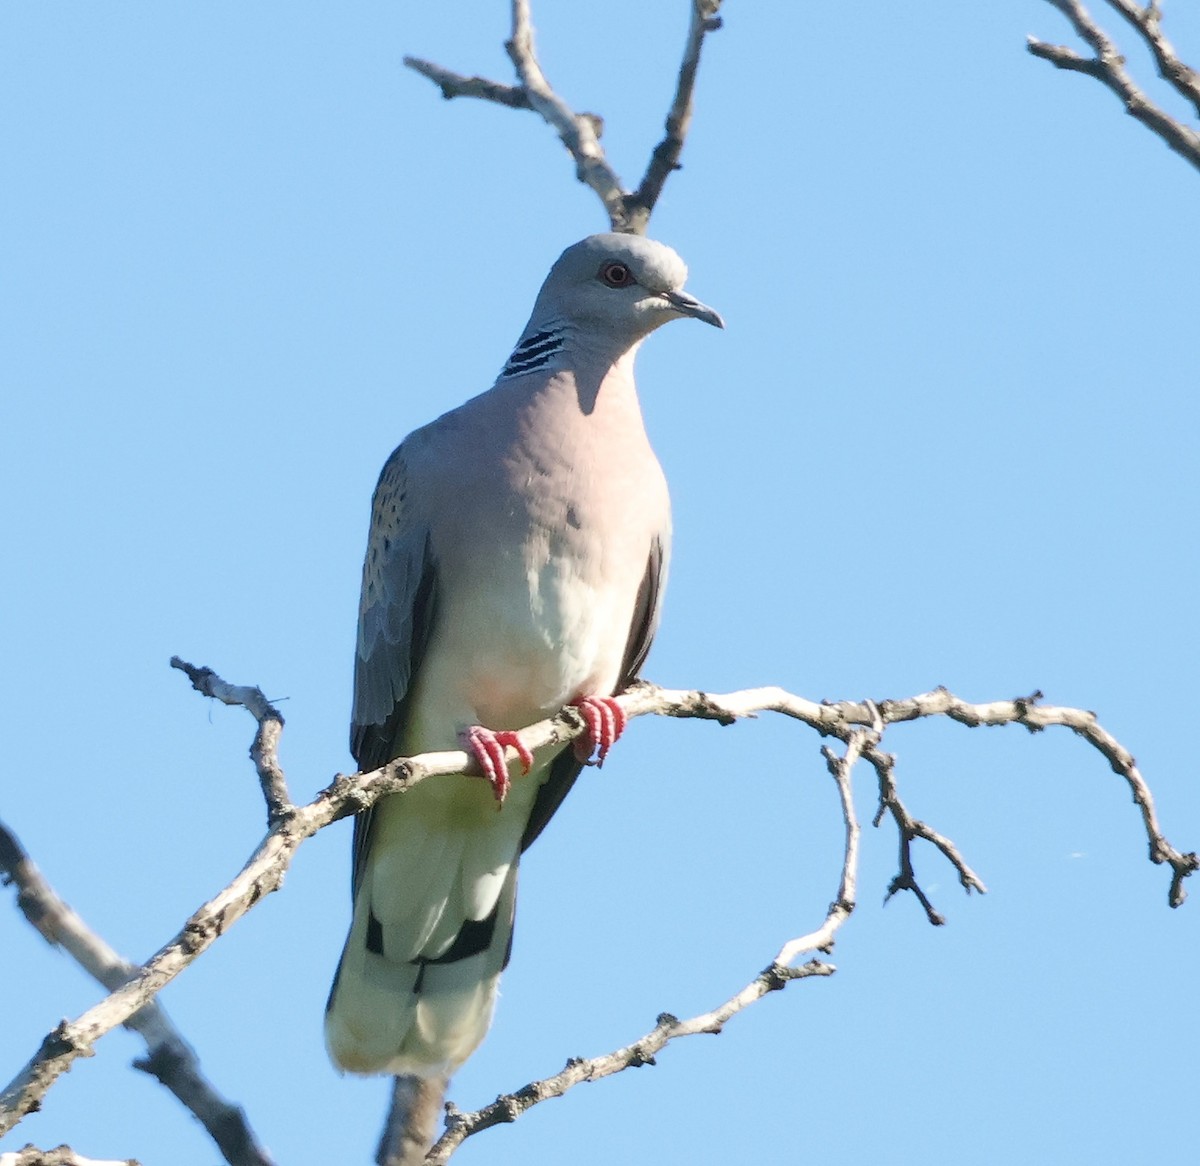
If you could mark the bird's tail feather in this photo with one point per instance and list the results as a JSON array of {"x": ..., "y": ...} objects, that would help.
[{"x": 420, "y": 1016}]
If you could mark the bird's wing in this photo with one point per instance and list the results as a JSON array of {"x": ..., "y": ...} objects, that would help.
[
  {"x": 566, "y": 767},
  {"x": 395, "y": 615}
]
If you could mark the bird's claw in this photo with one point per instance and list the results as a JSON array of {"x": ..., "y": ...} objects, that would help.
[
  {"x": 488, "y": 749},
  {"x": 605, "y": 720}
]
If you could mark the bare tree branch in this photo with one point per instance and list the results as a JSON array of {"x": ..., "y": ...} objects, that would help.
[
  {"x": 264, "y": 751},
  {"x": 909, "y": 830},
  {"x": 456, "y": 85},
  {"x": 665, "y": 158},
  {"x": 859, "y": 725},
  {"x": 1147, "y": 20},
  {"x": 170, "y": 1058},
  {"x": 59, "y": 1156},
  {"x": 509, "y": 1106},
  {"x": 835, "y": 719},
  {"x": 1107, "y": 66},
  {"x": 412, "y": 1121},
  {"x": 579, "y": 133},
  {"x": 1027, "y": 712},
  {"x": 628, "y": 211}
]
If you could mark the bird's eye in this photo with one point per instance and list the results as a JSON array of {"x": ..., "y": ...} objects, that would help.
[{"x": 617, "y": 275}]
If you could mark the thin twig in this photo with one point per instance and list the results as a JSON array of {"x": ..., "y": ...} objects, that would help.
[
  {"x": 857, "y": 742},
  {"x": 510, "y": 1106},
  {"x": 909, "y": 829},
  {"x": 456, "y": 85},
  {"x": 170, "y": 1058},
  {"x": 1107, "y": 66},
  {"x": 264, "y": 751},
  {"x": 665, "y": 158},
  {"x": 1147, "y": 20},
  {"x": 577, "y": 133}
]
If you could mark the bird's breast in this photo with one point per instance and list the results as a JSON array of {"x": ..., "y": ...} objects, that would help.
[{"x": 539, "y": 577}]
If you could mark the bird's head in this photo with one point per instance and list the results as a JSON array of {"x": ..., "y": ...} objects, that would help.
[{"x": 622, "y": 285}]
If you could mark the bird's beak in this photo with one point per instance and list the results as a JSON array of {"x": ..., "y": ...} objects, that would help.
[{"x": 687, "y": 305}]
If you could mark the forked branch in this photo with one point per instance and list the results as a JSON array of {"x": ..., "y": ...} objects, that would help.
[
  {"x": 1108, "y": 66},
  {"x": 628, "y": 210}
]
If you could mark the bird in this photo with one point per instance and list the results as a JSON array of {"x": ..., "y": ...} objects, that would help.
[{"x": 515, "y": 565}]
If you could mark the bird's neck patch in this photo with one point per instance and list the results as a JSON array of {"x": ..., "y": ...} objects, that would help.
[{"x": 538, "y": 350}]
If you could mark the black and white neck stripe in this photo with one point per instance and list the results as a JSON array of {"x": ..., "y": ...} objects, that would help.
[{"x": 537, "y": 350}]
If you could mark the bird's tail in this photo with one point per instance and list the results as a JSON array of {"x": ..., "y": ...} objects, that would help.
[{"x": 389, "y": 1012}]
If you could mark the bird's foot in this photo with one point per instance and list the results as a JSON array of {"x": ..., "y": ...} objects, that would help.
[
  {"x": 488, "y": 749},
  {"x": 605, "y": 720}
]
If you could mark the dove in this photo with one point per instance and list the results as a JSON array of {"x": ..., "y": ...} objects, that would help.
[{"x": 515, "y": 565}]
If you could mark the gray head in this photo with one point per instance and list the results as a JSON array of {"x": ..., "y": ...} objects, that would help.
[{"x": 623, "y": 285}]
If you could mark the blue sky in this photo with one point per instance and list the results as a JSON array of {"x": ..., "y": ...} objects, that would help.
[{"x": 947, "y": 438}]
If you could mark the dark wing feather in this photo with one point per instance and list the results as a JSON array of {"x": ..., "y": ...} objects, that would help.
[
  {"x": 646, "y": 613},
  {"x": 565, "y": 768},
  {"x": 395, "y": 616}
]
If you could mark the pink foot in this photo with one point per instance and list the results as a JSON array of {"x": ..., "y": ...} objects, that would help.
[
  {"x": 488, "y": 748},
  {"x": 606, "y": 722}
]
